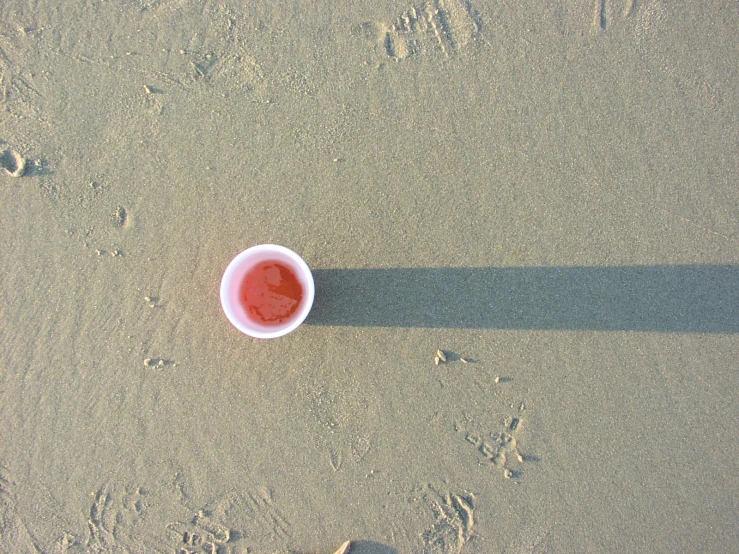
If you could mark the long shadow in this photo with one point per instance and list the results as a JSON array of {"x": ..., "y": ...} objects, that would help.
[{"x": 660, "y": 298}]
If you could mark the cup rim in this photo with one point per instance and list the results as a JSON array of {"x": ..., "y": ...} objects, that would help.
[{"x": 235, "y": 270}]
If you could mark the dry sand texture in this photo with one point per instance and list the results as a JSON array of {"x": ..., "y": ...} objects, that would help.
[{"x": 545, "y": 189}]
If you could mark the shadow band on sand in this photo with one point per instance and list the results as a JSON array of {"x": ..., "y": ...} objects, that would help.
[{"x": 658, "y": 298}]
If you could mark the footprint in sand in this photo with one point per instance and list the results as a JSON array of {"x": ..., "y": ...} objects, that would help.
[{"x": 12, "y": 163}]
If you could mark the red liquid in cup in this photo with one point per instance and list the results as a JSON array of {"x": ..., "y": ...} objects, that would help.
[{"x": 271, "y": 293}]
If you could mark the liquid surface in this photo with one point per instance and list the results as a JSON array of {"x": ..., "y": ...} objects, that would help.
[{"x": 271, "y": 293}]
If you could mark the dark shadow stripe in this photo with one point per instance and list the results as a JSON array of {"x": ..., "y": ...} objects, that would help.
[{"x": 665, "y": 298}]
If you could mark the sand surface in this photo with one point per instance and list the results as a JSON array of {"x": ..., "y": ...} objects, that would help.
[{"x": 546, "y": 189}]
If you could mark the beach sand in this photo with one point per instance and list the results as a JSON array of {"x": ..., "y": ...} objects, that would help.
[{"x": 547, "y": 190}]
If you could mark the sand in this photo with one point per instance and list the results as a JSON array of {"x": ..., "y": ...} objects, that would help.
[{"x": 547, "y": 190}]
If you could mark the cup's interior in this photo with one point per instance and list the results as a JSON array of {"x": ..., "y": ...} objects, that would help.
[{"x": 234, "y": 277}]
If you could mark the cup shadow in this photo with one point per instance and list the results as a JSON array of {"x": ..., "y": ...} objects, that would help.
[{"x": 657, "y": 298}]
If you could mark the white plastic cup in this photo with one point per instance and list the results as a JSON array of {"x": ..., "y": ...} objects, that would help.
[{"x": 233, "y": 279}]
